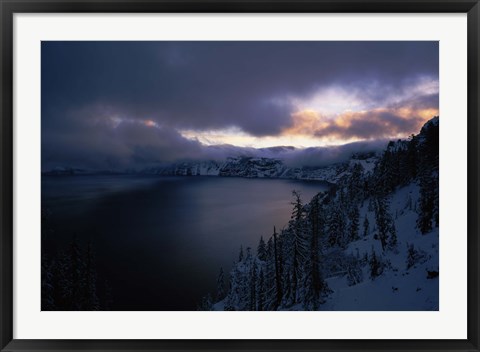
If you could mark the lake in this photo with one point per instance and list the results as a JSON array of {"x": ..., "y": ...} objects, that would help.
[{"x": 161, "y": 241}]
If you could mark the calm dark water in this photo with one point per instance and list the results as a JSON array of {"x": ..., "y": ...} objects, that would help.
[{"x": 160, "y": 241}]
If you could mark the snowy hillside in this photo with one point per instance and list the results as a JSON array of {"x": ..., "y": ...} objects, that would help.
[
  {"x": 404, "y": 284},
  {"x": 369, "y": 243}
]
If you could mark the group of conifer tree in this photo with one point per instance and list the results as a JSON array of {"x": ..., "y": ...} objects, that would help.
[
  {"x": 69, "y": 279},
  {"x": 288, "y": 271}
]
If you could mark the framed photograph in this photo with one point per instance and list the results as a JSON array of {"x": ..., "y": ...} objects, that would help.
[{"x": 239, "y": 175}]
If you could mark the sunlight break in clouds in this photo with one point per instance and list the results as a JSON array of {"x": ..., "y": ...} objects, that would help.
[
  {"x": 336, "y": 99},
  {"x": 337, "y": 115},
  {"x": 360, "y": 125},
  {"x": 236, "y": 137}
]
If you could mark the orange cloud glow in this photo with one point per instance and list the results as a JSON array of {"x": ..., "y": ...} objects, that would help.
[{"x": 360, "y": 125}]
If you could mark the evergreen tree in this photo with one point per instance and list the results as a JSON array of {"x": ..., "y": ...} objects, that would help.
[
  {"x": 412, "y": 158},
  {"x": 229, "y": 305},
  {"x": 415, "y": 256},
  {"x": 314, "y": 283},
  {"x": 240, "y": 288},
  {"x": 270, "y": 247},
  {"x": 91, "y": 301},
  {"x": 206, "y": 303},
  {"x": 288, "y": 298},
  {"x": 298, "y": 243},
  {"x": 392, "y": 240},
  {"x": 262, "y": 250},
  {"x": 73, "y": 268},
  {"x": 240, "y": 255},
  {"x": 69, "y": 280},
  {"x": 411, "y": 256},
  {"x": 355, "y": 184},
  {"x": 375, "y": 265},
  {"x": 428, "y": 178},
  {"x": 270, "y": 298},
  {"x": 336, "y": 227},
  {"x": 365, "y": 258},
  {"x": 354, "y": 271},
  {"x": 354, "y": 223},
  {"x": 253, "y": 287},
  {"x": 436, "y": 214},
  {"x": 278, "y": 271},
  {"x": 108, "y": 299},
  {"x": 48, "y": 289},
  {"x": 220, "y": 286},
  {"x": 248, "y": 255},
  {"x": 427, "y": 204},
  {"x": 261, "y": 291},
  {"x": 385, "y": 224},
  {"x": 366, "y": 227}
]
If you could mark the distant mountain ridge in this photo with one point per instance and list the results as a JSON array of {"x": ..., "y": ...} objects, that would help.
[
  {"x": 260, "y": 167},
  {"x": 242, "y": 166}
]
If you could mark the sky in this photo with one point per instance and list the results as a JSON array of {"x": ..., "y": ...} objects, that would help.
[{"x": 117, "y": 105}]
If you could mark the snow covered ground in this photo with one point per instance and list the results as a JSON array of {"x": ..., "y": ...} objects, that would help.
[{"x": 399, "y": 287}]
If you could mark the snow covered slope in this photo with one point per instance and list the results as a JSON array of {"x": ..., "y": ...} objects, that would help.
[{"x": 404, "y": 283}]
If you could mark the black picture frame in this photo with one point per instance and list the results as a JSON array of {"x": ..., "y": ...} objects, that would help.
[{"x": 7, "y": 10}]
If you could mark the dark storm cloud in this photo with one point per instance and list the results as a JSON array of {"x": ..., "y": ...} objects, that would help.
[
  {"x": 201, "y": 86},
  {"x": 103, "y": 144},
  {"x": 429, "y": 101},
  {"x": 214, "y": 84}
]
